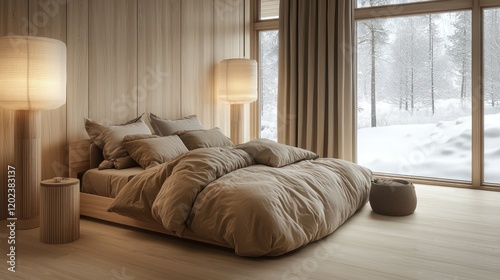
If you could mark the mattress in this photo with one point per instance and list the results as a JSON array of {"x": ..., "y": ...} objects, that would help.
[{"x": 107, "y": 182}]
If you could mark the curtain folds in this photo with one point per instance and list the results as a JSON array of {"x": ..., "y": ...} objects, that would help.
[{"x": 315, "y": 86}]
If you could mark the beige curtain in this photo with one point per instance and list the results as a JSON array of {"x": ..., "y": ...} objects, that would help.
[{"x": 315, "y": 88}]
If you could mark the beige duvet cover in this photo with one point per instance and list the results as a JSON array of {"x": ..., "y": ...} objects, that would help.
[{"x": 224, "y": 195}]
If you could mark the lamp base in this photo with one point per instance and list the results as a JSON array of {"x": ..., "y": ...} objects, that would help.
[
  {"x": 28, "y": 223},
  {"x": 237, "y": 123},
  {"x": 28, "y": 169}
]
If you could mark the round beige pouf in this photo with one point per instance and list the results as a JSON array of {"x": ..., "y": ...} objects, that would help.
[{"x": 393, "y": 197}]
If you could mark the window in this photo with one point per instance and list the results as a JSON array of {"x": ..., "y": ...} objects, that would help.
[
  {"x": 268, "y": 69},
  {"x": 419, "y": 95},
  {"x": 491, "y": 53},
  {"x": 414, "y": 95},
  {"x": 266, "y": 49},
  {"x": 269, "y": 9}
]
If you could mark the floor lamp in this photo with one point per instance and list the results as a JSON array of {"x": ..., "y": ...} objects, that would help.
[
  {"x": 32, "y": 78},
  {"x": 237, "y": 85}
]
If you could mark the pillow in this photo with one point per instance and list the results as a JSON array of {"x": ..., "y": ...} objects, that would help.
[
  {"x": 95, "y": 129},
  {"x": 205, "y": 138},
  {"x": 149, "y": 152},
  {"x": 164, "y": 127},
  {"x": 124, "y": 162},
  {"x": 270, "y": 153},
  {"x": 95, "y": 156},
  {"x": 113, "y": 137}
]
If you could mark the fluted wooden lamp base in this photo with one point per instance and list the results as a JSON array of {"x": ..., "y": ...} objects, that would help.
[
  {"x": 27, "y": 164},
  {"x": 237, "y": 123}
]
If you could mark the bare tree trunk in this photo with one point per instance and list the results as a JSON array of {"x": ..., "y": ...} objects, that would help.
[
  {"x": 373, "y": 97},
  {"x": 412, "y": 97},
  {"x": 406, "y": 91},
  {"x": 492, "y": 95},
  {"x": 462, "y": 89},
  {"x": 431, "y": 60},
  {"x": 401, "y": 96},
  {"x": 463, "y": 86}
]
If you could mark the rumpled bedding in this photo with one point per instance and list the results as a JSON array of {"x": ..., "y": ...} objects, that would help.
[{"x": 225, "y": 195}]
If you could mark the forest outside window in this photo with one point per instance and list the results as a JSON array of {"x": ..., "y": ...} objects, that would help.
[{"x": 415, "y": 93}]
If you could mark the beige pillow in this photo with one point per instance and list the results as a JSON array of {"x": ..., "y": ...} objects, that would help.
[
  {"x": 95, "y": 130},
  {"x": 113, "y": 136},
  {"x": 274, "y": 154},
  {"x": 124, "y": 162},
  {"x": 150, "y": 152},
  {"x": 164, "y": 127},
  {"x": 204, "y": 138},
  {"x": 100, "y": 134}
]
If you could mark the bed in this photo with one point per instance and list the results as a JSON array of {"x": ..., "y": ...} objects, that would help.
[{"x": 259, "y": 198}]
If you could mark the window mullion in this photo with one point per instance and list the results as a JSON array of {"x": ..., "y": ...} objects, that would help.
[
  {"x": 489, "y": 3},
  {"x": 477, "y": 97}
]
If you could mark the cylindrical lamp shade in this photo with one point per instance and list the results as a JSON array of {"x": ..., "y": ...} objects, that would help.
[
  {"x": 32, "y": 73},
  {"x": 237, "y": 81}
]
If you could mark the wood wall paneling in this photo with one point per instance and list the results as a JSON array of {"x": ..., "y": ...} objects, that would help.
[
  {"x": 126, "y": 57},
  {"x": 159, "y": 57},
  {"x": 112, "y": 60},
  {"x": 229, "y": 34},
  {"x": 77, "y": 102},
  {"x": 48, "y": 19},
  {"x": 197, "y": 69},
  {"x": 13, "y": 13}
]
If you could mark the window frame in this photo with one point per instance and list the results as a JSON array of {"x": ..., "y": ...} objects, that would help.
[{"x": 438, "y": 6}]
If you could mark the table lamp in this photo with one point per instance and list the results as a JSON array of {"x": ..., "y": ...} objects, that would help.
[
  {"x": 32, "y": 78},
  {"x": 237, "y": 85}
]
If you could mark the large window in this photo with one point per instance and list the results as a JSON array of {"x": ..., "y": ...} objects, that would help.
[
  {"x": 414, "y": 95},
  {"x": 418, "y": 99}
]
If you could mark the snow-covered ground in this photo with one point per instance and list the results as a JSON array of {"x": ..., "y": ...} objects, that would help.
[{"x": 440, "y": 150}]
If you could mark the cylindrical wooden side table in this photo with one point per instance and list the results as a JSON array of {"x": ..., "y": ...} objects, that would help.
[{"x": 59, "y": 211}]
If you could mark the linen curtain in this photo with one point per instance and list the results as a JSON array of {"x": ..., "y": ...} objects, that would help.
[{"x": 315, "y": 86}]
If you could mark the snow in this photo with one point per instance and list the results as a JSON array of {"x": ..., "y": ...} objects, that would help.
[{"x": 440, "y": 150}]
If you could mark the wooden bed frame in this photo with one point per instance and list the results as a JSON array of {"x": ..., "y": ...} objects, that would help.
[{"x": 95, "y": 206}]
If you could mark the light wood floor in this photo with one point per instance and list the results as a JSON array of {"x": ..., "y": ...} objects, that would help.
[{"x": 454, "y": 234}]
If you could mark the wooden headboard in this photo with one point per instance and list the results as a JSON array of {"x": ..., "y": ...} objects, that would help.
[{"x": 79, "y": 156}]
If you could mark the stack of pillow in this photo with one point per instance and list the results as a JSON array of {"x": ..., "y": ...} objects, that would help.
[{"x": 134, "y": 143}]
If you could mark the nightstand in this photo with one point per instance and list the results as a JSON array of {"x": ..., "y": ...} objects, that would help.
[{"x": 59, "y": 211}]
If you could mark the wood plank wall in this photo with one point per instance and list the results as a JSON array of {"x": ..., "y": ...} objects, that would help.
[{"x": 125, "y": 58}]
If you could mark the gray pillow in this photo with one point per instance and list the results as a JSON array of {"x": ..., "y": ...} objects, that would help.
[
  {"x": 205, "y": 138},
  {"x": 164, "y": 127},
  {"x": 95, "y": 130},
  {"x": 149, "y": 152},
  {"x": 268, "y": 152}
]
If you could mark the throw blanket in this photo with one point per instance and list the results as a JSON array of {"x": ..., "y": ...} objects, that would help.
[{"x": 224, "y": 195}]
